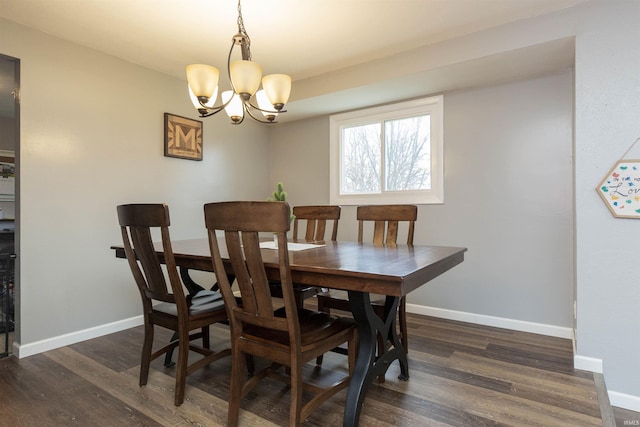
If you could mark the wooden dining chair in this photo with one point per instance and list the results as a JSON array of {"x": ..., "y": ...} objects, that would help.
[
  {"x": 315, "y": 220},
  {"x": 385, "y": 220},
  {"x": 167, "y": 308},
  {"x": 289, "y": 336}
]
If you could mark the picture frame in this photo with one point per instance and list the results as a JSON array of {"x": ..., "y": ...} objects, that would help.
[
  {"x": 182, "y": 137},
  {"x": 620, "y": 189}
]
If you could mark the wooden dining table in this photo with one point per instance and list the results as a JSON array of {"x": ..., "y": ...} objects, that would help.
[{"x": 361, "y": 269}]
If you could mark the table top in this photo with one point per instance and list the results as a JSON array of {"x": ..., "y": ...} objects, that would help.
[{"x": 342, "y": 265}]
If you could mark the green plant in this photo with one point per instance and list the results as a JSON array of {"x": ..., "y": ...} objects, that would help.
[{"x": 280, "y": 196}]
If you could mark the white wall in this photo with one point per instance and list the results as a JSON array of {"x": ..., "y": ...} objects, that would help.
[
  {"x": 92, "y": 138},
  {"x": 508, "y": 198}
]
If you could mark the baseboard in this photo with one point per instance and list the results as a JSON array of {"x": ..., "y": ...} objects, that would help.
[
  {"x": 625, "y": 401},
  {"x": 30, "y": 349},
  {"x": 498, "y": 322},
  {"x": 620, "y": 400},
  {"x": 585, "y": 363}
]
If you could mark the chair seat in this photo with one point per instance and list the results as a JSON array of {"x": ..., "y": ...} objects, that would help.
[
  {"x": 315, "y": 326},
  {"x": 194, "y": 312}
]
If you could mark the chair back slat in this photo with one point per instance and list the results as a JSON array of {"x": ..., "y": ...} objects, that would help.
[
  {"x": 148, "y": 260},
  {"x": 241, "y": 223},
  {"x": 137, "y": 222},
  {"x": 386, "y": 219},
  {"x": 316, "y": 218}
]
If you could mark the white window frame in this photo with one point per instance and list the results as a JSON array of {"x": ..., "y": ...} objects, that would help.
[{"x": 434, "y": 107}]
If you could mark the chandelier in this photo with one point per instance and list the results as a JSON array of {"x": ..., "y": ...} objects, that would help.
[{"x": 245, "y": 77}]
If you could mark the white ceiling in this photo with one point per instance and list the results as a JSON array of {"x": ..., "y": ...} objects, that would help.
[{"x": 303, "y": 38}]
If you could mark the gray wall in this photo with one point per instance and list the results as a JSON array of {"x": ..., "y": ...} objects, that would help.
[
  {"x": 508, "y": 198},
  {"x": 607, "y": 124}
]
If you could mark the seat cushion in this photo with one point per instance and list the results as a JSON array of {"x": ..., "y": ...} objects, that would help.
[{"x": 210, "y": 307}]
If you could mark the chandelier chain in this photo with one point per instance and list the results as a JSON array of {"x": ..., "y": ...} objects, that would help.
[{"x": 243, "y": 31}]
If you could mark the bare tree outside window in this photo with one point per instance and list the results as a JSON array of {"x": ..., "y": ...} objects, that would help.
[
  {"x": 407, "y": 154},
  {"x": 362, "y": 152},
  {"x": 407, "y": 157}
]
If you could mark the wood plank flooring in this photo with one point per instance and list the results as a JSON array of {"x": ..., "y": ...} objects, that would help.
[{"x": 461, "y": 375}]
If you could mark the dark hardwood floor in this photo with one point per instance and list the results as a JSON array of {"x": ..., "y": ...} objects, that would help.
[{"x": 461, "y": 375}]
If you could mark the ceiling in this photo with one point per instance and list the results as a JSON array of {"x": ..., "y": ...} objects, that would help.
[{"x": 303, "y": 38}]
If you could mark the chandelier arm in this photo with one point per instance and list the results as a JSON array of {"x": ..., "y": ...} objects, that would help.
[
  {"x": 248, "y": 107},
  {"x": 211, "y": 111},
  {"x": 265, "y": 111}
]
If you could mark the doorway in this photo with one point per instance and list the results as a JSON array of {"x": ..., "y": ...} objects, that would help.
[{"x": 9, "y": 142}]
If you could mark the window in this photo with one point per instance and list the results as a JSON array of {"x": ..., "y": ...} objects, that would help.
[{"x": 388, "y": 154}]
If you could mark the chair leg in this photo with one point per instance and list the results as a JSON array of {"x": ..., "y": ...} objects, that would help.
[
  {"x": 235, "y": 393},
  {"x": 296, "y": 393},
  {"x": 321, "y": 307},
  {"x": 251, "y": 368},
  {"x": 181, "y": 372},
  {"x": 168, "y": 357},
  {"x": 146, "y": 352},
  {"x": 205, "y": 337},
  {"x": 299, "y": 299}
]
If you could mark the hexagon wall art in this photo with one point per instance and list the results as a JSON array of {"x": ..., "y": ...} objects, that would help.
[{"x": 620, "y": 189}]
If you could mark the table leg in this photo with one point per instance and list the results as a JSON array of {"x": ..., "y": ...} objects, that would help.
[
  {"x": 191, "y": 286},
  {"x": 368, "y": 366},
  {"x": 391, "y": 305}
]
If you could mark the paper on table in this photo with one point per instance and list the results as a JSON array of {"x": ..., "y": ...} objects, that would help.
[{"x": 292, "y": 246}]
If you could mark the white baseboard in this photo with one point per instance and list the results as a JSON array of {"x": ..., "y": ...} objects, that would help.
[
  {"x": 620, "y": 400},
  {"x": 30, "y": 349},
  {"x": 625, "y": 401},
  {"x": 585, "y": 363},
  {"x": 498, "y": 322}
]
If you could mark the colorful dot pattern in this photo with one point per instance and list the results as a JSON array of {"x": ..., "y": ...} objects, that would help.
[{"x": 620, "y": 189}]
